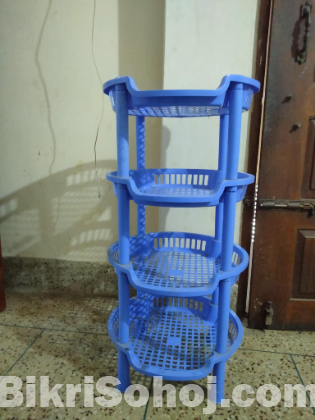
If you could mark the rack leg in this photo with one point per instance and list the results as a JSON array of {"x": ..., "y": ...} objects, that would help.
[
  {"x": 123, "y": 285},
  {"x": 121, "y": 100},
  {"x": 123, "y": 371},
  {"x": 232, "y": 154},
  {"x": 222, "y": 334},
  {"x": 219, "y": 373},
  {"x": 123, "y": 363},
  {"x": 225, "y": 286}
]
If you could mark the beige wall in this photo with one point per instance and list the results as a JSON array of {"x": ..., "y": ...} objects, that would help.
[
  {"x": 52, "y": 101},
  {"x": 50, "y": 108},
  {"x": 204, "y": 40}
]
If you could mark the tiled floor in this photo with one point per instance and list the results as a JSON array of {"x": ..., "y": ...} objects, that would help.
[{"x": 66, "y": 339}]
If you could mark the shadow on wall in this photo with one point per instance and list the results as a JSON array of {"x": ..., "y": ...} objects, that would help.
[
  {"x": 142, "y": 58},
  {"x": 61, "y": 217}
]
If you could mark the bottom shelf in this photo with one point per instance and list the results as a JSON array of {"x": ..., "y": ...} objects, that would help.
[{"x": 174, "y": 337}]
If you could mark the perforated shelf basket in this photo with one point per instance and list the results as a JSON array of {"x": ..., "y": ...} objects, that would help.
[
  {"x": 174, "y": 337},
  {"x": 179, "y": 187},
  {"x": 177, "y": 264},
  {"x": 182, "y": 103}
]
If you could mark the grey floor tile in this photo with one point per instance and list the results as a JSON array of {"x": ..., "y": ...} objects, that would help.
[
  {"x": 76, "y": 344},
  {"x": 73, "y": 313},
  {"x": 306, "y": 368},
  {"x": 13, "y": 342},
  {"x": 66, "y": 358},
  {"x": 280, "y": 341},
  {"x": 245, "y": 367}
]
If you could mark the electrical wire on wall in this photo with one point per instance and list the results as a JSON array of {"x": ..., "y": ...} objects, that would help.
[{"x": 102, "y": 113}]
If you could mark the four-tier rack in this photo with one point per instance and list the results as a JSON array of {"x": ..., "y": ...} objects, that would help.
[{"x": 179, "y": 326}]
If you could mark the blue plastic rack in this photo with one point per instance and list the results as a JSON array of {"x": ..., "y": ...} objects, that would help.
[{"x": 180, "y": 325}]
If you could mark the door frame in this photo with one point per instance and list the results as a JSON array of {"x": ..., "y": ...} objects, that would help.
[{"x": 264, "y": 20}]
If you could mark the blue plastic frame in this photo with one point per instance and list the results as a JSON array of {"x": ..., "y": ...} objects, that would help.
[
  {"x": 225, "y": 187},
  {"x": 140, "y": 183},
  {"x": 185, "y": 246},
  {"x": 141, "y": 311},
  {"x": 154, "y": 103}
]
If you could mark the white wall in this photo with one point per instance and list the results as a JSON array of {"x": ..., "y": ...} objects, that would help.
[
  {"x": 51, "y": 102},
  {"x": 204, "y": 40}
]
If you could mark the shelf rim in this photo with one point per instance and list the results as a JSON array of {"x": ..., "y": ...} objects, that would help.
[
  {"x": 160, "y": 200},
  {"x": 181, "y": 103},
  {"x": 223, "y": 87}
]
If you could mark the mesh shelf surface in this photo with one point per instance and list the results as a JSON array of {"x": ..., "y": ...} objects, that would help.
[
  {"x": 173, "y": 337},
  {"x": 180, "y": 187},
  {"x": 180, "y": 111},
  {"x": 176, "y": 263},
  {"x": 181, "y": 103}
]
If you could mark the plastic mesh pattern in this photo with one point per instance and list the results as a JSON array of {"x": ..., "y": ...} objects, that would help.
[
  {"x": 179, "y": 111},
  {"x": 174, "y": 269},
  {"x": 178, "y": 184},
  {"x": 172, "y": 262},
  {"x": 184, "y": 190},
  {"x": 171, "y": 333},
  {"x": 172, "y": 340}
]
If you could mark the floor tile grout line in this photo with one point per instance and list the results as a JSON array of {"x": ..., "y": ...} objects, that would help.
[
  {"x": 75, "y": 331},
  {"x": 277, "y": 352},
  {"x": 24, "y": 352},
  {"x": 53, "y": 329},
  {"x": 147, "y": 404},
  {"x": 302, "y": 382},
  {"x": 21, "y": 326}
]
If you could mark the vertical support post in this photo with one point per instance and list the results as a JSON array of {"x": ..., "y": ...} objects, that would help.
[
  {"x": 140, "y": 140},
  {"x": 223, "y": 142},
  {"x": 122, "y": 127},
  {"x": 222, "y": 162},
  {"x": 223, "y": 148},
  {"x": 234, "y": 135}
]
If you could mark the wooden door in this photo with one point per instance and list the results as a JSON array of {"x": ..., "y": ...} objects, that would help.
[{"x": 283, "y": 260}]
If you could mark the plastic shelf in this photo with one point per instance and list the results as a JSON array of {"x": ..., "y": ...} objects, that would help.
[
  {"x": 174, "y": 337},
  {"x": 172, "y": 328},
  {"x": 176, "y": 263},
  {"x": 182, "y": 103},
  {"x": 180, "y": 187}
]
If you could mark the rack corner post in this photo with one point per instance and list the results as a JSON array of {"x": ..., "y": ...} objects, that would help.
[
  {"x": 140, "y": 146},
  {"x": 228, "y": 226},
  {"x": 122, "y": 126}
]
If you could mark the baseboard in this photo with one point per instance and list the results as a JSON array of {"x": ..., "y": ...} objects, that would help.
[
  {"x": 36, "y": 275},
  {"x": 47, "y": 275}
]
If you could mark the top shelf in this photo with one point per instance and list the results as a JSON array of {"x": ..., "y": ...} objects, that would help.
[{"x": 182, "y": 103}]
